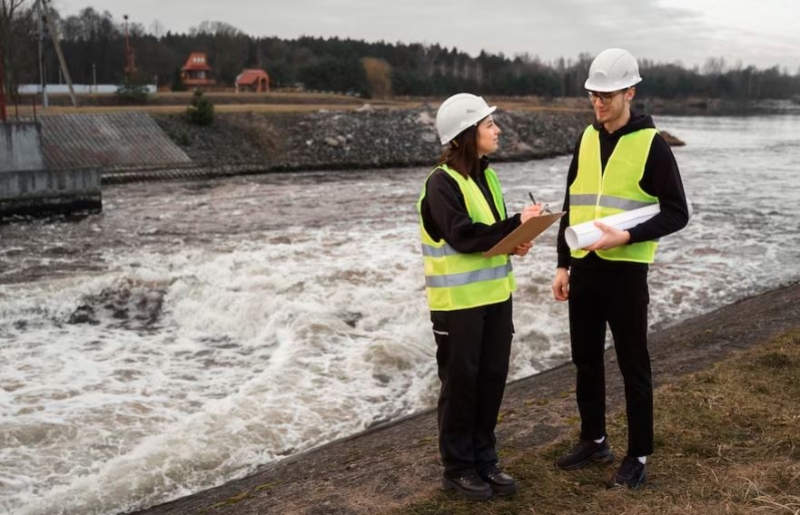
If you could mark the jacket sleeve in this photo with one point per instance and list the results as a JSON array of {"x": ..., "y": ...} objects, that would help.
[
  {"x": 445, "y": 216},
  {"x": 562, "y": 248},
  {"x": 662, "y": 179}
]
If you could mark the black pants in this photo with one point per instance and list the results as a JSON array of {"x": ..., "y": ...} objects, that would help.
[
  {"x": 619, "y": 298},
  {"x": 473, "y": 349}
]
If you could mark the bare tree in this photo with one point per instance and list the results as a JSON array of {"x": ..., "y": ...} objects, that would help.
[
  {"x": 157, "y": 29},
  {"x": 8, "y": 12}
]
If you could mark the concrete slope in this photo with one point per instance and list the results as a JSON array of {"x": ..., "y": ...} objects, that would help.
[{"x": 107, "y": 141}]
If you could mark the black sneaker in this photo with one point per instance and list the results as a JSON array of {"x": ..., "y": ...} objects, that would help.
[
  {"x": 584, "y": 453},
  {"x": 500, "y": 482},
  {"x": 470, "y": 485},
  {"x": 631, "y": 473}
]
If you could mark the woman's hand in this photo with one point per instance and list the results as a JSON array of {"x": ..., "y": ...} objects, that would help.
[
  {"x": 522, "y": 249},
  {"x": 530, "y": 211}
]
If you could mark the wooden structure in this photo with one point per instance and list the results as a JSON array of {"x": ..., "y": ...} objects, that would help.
[
  {"x": 253, "y": 80},
  {"x": 196, "y": 71}
]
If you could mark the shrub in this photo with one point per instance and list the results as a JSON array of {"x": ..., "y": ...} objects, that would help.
[
  {"x": 201, "y": 112},
  {"x": 132, "y": 93}
]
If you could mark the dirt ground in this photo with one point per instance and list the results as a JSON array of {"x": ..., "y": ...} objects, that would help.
[{"x": 396, "y": 465}]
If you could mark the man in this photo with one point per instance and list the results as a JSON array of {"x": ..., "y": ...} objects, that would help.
[{"x": 620, "y": 163}]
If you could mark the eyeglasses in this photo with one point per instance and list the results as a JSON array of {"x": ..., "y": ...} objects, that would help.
[{"x": 605, "y": 98}]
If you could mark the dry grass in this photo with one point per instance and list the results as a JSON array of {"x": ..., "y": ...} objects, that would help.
[
  {"x": 728, "y": 442},
  {"x": 226, "y": 102},
  {"x": 167, "y": 109}
]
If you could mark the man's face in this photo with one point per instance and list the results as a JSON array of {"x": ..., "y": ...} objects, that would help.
[{"x": 609, "y": 107}]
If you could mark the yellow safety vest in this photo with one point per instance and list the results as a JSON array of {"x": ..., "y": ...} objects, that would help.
[
  {"x": 597, "y": 194},
  {"x": 460, "y": 281}
]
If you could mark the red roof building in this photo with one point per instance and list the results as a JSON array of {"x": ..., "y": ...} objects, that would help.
[
  {"x": 196, "y": 71},
  {"x": 253, "y": 80}
]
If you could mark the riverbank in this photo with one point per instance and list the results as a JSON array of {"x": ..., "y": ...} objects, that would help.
[
  {"x": 329, "y": 132},
  {"x": 394, "y": 468},
  {"x": 359, "y": 138}
]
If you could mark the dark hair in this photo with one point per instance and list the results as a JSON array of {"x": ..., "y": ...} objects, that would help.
[{"x": 461, "y": 153}]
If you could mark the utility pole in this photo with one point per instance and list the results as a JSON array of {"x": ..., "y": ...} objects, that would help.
[
  {"x": 40, "y": 28},
  {"x": 130, "y": 56},
  {"x": 2, "y": 89},
  {"x": 54, "y": 35}
]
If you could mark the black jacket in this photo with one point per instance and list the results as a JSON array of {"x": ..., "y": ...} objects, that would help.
[
  {"x": 661, "y": 179},
  {"x": 445, "y": 216}
]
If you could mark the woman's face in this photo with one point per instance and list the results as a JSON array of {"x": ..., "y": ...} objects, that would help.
[{"x": 488, "y": 133}]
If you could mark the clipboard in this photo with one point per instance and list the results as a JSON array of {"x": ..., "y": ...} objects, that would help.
[{"x": 524, "y": 233}]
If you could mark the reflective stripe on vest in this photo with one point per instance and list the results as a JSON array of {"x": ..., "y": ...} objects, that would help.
[
  {"x": 462, "y": 279},
  {"x": 459, "y": 281},
  {"x": 445, "y": 250},
  {"x": 596, "y": 193}
]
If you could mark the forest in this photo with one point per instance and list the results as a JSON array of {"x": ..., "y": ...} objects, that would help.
[{"x": 93, "y": 44}]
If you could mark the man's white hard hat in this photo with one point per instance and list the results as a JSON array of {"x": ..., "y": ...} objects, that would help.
[
  {"x": 458, "y": 113},
  {"x": 612, "y": 70}
]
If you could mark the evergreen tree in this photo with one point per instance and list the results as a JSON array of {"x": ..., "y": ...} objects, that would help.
[
  {"x": 201, "y": 110},
  {"x": 177, "y": 81}
]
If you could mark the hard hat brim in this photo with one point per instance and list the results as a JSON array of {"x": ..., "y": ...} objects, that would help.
[{"x": 589, "y": 85}]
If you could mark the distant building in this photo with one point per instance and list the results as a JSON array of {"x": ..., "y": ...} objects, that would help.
[
  {"x": 253, "y": 80},
  {"x": 196, "y": 71}
]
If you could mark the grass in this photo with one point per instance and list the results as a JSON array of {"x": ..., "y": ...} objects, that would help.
[
  {"x": 276, "y": 102},
  {"x": 27, "y": 111},
  {"x": 727, "y": 442}
]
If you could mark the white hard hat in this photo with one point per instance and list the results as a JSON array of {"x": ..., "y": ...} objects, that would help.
[
  {"x": 459, "y": 112},
  {"x": 612, "y": 70}
]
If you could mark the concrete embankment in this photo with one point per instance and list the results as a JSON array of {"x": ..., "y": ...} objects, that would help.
[
  {"x": 29, "y": 186},
  {"x": 20, "y": 147},
  {"x": 365, "y": 138}
]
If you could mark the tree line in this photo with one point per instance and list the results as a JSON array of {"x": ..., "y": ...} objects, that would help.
[{"x": 94, "y": 46}]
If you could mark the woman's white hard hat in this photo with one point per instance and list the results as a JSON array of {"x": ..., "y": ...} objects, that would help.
[
  {"x": 612, "y": 70},
  {"x": 458, "y": 113}
]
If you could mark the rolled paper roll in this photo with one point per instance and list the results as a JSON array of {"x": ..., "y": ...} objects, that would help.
[{"x": 582, "y": 235}]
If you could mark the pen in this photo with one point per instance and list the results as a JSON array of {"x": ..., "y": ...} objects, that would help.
[{"x": 531, "y": 196}]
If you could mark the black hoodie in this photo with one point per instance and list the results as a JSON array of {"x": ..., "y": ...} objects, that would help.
[
  {"x": 444, "y": 214},
  {"x": 661, "y": 179}
]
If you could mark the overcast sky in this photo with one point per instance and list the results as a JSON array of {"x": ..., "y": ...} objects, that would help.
[{"x": 762, "y": 33}]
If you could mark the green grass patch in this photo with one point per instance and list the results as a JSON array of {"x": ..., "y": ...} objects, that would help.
[{"x": 727, "y": 442}]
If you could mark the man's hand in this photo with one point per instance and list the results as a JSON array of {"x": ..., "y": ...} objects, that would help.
[
  {"x": 611, "y": 238},
  {"x": 522, "y": 249},
  {"x": 561, "y": 285}
]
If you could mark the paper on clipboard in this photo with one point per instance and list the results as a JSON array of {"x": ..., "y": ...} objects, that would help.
[{"x": 526, "y": 232}]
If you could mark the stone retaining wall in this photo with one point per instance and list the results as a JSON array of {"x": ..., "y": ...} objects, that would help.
[{"x": 356, "y": 139}]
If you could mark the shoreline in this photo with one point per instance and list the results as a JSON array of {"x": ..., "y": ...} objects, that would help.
[
  {"x": 259, "y": 142},
  {"x": 345, "y": 477}
]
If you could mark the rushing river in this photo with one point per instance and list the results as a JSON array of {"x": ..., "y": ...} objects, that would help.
[{"x": 197, "y": 330}]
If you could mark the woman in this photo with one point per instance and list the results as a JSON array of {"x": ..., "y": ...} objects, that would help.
[{"x": 462, "y": 214}]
